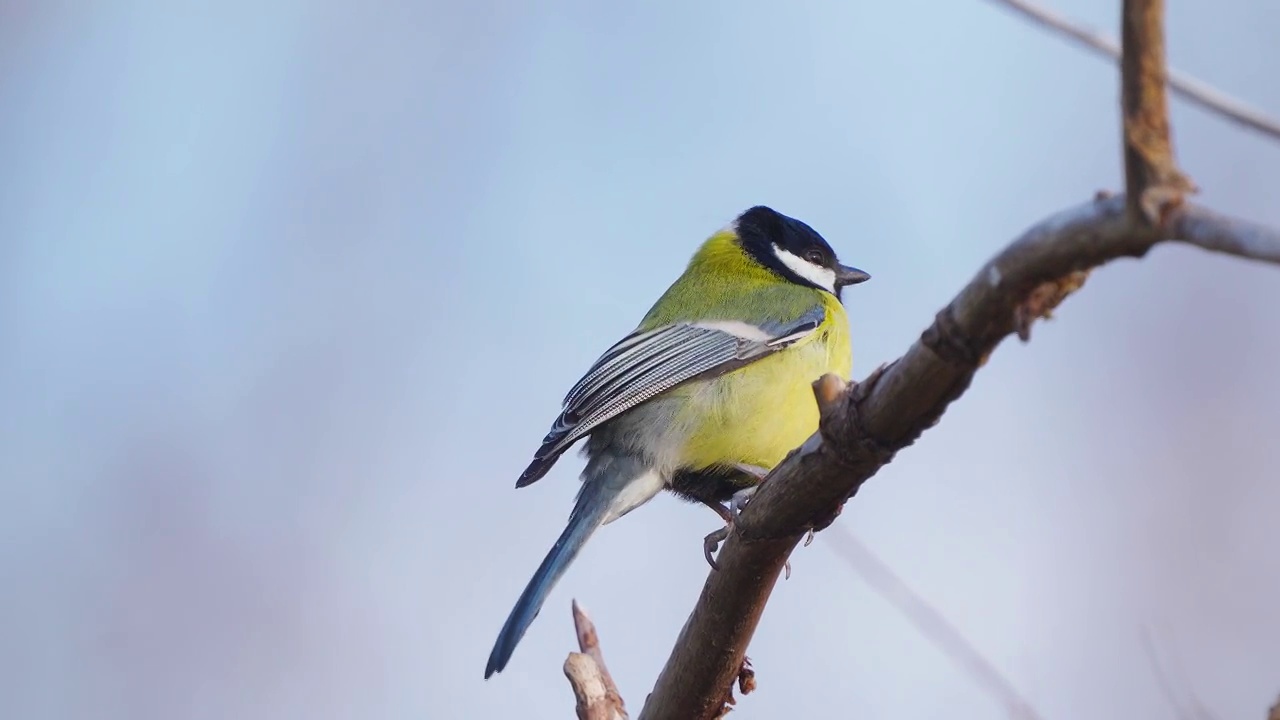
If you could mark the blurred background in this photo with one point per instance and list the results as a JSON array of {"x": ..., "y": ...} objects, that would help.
[{"x": 290, "y": 292}]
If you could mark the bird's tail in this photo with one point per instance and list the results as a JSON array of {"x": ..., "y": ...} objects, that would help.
[{"x": 610, "y": 489}]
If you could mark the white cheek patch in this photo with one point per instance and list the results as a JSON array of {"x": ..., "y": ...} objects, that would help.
[{"x": 823, "y": 277}]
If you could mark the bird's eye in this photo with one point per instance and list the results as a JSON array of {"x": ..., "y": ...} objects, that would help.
[{"x": 815, "y": 257}]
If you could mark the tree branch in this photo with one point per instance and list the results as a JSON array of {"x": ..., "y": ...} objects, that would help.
[
  {"x": 1153, "y": 182},
  {"x": 589, "y": 689},
  {"x": 864, "y": 425},
  {"x": 593, "y": 687},
  {"x": 1189, "y": 88},
  {"x": 1187, "y": 707}
]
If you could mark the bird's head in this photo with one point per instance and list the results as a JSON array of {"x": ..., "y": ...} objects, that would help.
[{"x": 793, "y": 250}]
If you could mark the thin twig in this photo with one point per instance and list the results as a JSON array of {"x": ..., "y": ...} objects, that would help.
[
  {"x": 1153, "y": 182},
  {"x": 1212, "y": 231},
  {"x": 593, "y": 687},
  {"x": 928, "y": 621},
  {"x": 1190, "y": 708},
  {"x": 589, "y": 689},
  {"x": 1195, "y": 91}
]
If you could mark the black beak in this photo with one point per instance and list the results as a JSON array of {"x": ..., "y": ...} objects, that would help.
[{"x": 846, "y": 275}]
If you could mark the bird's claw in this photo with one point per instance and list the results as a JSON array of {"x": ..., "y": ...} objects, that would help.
[
  {"x": 740, "y": 500},
  {"x": 711, "y": 543},
  {"x": 808, "y": 538}
]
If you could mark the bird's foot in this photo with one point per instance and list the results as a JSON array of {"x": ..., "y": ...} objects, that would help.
[
  {"x": 711, "y": 543},
  {"x": 739, "y": 500}
]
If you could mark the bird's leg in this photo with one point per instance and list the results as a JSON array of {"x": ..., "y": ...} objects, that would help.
[
  {"x": 725, "y": 513},
  {"x": 736, "y": 503},
  {"x": 711, "y": 543}
]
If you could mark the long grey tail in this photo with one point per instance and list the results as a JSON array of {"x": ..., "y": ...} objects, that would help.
[{"x": 589, "y": 512}]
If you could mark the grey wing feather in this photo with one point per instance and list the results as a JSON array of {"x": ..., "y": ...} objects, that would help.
[{"x": 646, "y": 364}]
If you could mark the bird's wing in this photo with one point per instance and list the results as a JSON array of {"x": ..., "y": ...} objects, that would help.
[{"x": 647, "y": 363}]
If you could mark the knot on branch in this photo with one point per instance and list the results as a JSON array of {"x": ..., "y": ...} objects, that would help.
[
  {"x": 840, "y": 421},
  {"x": 845, "y": 438},
  {"x": 1043, "y": 300},
  {"x": 746, "y": 684},
  {"x": 945, "y": 338}
]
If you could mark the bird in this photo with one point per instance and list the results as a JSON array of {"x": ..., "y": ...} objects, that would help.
[{"x": 710, "y": 391}]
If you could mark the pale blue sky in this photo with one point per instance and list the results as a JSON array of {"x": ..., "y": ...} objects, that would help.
[{"x": 290, "y": 292}]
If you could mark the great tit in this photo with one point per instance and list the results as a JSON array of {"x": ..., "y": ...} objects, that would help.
[{"x": 710, "y": 391}]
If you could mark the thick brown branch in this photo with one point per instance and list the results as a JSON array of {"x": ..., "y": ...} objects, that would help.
[
  {"x": 862, "y": 429},
  {"x": 1189, "y": 88},
  {"x": 1152, "y": 179}
]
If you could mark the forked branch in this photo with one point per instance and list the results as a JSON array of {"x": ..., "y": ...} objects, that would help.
[{"x": 862, "y": 426}]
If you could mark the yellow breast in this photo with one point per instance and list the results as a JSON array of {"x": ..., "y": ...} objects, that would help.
[{"x": 759, "y": 413}]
